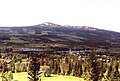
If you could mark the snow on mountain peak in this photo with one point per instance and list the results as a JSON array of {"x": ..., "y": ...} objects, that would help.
[{"x": 49, "y": 24}]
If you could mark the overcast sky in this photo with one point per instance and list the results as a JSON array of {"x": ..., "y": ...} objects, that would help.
[{"x": 104, "y": 14}]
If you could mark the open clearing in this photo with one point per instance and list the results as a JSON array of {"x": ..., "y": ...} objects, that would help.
[{"x": 23, "y": 77}]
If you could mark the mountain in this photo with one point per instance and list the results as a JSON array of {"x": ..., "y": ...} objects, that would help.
[{"x": 50, "y": 33}]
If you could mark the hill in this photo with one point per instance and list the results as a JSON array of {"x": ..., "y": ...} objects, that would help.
[{"x": 54, "y": 34}]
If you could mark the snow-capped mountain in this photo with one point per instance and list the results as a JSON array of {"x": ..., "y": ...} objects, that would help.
[{"x": 50, "y": 32}]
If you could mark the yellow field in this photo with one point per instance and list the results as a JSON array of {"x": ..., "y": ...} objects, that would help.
[{"x": 23, "y": 77}]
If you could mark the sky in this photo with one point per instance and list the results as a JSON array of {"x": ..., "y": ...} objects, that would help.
[{"x": 103, "y": 14}]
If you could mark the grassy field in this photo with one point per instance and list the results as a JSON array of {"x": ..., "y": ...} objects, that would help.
[{"x": 23, "y": 77}]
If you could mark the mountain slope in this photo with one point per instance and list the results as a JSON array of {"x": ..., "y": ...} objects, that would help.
[{"x": 69, "y": 35}]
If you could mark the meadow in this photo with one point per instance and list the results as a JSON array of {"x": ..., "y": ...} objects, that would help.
[{"x": 22, "y": 76}]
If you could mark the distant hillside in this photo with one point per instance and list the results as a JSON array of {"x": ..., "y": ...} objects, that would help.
[{"x": 69, "y": 35}]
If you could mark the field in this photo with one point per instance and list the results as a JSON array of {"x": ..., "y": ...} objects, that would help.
[{"x": 23, "y": 77}]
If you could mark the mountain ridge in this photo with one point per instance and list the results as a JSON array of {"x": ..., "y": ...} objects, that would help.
[
  {"x": 69, "y": 35},
  {"x": 50, "y": 24}
]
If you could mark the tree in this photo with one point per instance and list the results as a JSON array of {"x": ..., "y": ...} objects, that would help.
[
  {"x": 92, "y": 67},
  {"x": 115, "y": 75},
  {"x": 34, "y": 70},
  {"x": 7, "y": 76}
]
